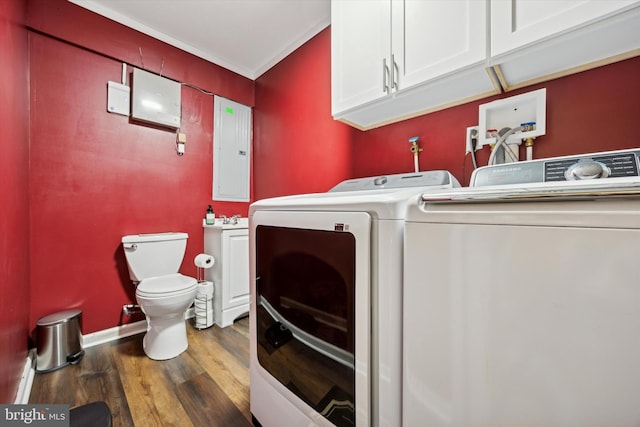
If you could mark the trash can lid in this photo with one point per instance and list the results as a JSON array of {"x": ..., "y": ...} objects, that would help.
[{"x": 61, "y": 317}]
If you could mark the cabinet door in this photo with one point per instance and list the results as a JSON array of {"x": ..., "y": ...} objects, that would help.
[
  {"x": 517, "y": 23},
  {"x": 433, "y": 38},
  {"x": 236, "y": 280},
  {"x": 360, "y": 48}
]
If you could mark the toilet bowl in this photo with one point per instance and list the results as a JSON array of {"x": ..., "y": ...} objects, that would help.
[
  {"x": 164, "y": 295},
  {"x": 164, "y": 300}
]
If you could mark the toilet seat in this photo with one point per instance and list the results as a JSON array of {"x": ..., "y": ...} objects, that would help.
[{"x": 166, "y": 286}]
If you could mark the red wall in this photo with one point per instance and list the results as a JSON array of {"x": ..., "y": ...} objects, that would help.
[
  {"x": 14, "y": 197},
  {"x": 298, "y": 147},
  {"x": 595, "y": 110},
  {"x": 96, "y": 176}
]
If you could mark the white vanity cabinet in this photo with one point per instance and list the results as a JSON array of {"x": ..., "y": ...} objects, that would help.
[
  {"x": 536, "y": 40},
  {"x": 386, "y": 55},
  {"x": 229, "y": 245}
]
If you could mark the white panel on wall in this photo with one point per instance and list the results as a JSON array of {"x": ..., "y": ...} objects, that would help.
[
  {"x": 155, "y": 99},
  {"x": 231, "y": 150}
]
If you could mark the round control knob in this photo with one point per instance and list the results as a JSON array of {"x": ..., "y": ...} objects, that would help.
[
  {"x": 381, "y": 180},
  {"x": 587, "y": 169}
]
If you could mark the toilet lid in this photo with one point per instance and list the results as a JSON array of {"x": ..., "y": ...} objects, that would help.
[{"x": 166, "y": 285}]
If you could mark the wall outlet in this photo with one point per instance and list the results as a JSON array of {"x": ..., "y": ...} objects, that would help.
[{"x": 472, "y": 133}]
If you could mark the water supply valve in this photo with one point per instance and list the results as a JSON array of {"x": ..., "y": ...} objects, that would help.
[{"x": 415, "y": 149}]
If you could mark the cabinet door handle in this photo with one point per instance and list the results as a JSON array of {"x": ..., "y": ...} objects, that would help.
[
  {"x": 385, "y": 76},
  {"x": 395, "y": 72}
]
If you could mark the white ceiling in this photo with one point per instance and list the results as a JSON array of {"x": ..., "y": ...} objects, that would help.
[{"x": 244, "y": 36}]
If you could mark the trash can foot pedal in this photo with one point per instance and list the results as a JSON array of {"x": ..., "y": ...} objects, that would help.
[{"x": 75, "y": 358}]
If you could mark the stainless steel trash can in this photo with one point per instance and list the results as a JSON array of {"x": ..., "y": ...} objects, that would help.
[{"x": 58, "y": 340}]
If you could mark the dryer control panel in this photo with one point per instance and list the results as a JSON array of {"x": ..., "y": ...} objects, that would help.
[
  {"x": 611, "y": 164},
  {"x": 434, "y": 178}
]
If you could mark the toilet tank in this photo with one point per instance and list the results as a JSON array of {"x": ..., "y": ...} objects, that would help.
[{"x": 151, "y": 255}]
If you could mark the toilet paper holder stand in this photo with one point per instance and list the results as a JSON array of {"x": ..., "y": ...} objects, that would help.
[{"x": 203, "y": 302}]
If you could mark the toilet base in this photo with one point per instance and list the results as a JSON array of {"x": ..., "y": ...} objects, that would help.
[{"x": 166, "y": 338}]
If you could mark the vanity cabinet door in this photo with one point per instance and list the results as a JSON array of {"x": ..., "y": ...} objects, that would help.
[{"x": 236, "y": 281}]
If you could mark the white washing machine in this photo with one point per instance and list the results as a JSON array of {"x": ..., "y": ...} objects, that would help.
[
  {"x": 326, "y": 297},
  {"x": 524, "y": 308}
]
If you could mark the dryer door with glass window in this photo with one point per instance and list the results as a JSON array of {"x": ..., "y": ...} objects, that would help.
[{"x": 312, "y": 308}]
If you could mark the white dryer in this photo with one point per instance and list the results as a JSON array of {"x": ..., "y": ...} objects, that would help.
[
  {"x": 326, "y": 297},
  {"x": 524, "y": 308}
]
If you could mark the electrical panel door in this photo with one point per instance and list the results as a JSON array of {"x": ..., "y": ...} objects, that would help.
[{"x": 231, "y": 150}]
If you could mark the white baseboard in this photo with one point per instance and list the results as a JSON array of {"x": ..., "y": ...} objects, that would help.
[
  {"x": 122, "y": 331},
  {"x": 29, "y": 371},
  {"x": 112, "y": 334}
]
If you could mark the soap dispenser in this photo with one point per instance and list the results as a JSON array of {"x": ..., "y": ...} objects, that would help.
[{"x": 210, "y": 217}]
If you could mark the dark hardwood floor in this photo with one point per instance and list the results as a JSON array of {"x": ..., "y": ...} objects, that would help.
[{"x": 207, "y": 385}]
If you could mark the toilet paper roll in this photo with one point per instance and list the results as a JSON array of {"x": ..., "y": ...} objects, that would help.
[
  {"x": 204, "y": 261},
  {"x": 204, "y": 318},
  {"x": 204, "y": 295},
  {"x": 204, "y": 289}
]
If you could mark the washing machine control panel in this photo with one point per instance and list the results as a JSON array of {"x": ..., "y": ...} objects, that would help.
[{"x": 612, "y": 164}]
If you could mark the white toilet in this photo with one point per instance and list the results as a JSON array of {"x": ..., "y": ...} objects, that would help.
[{"x": 163, "y": 294}]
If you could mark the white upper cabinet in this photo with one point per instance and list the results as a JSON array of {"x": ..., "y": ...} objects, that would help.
[
  {"x": 386, "y": 55},
  {"x": 396, "y": 59},
  {"x": 360, "y": 49},
  {"x": 433, "y": 38},
  {"x": 517, "y": 23},
  {"x": 537, "y": 40}
]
